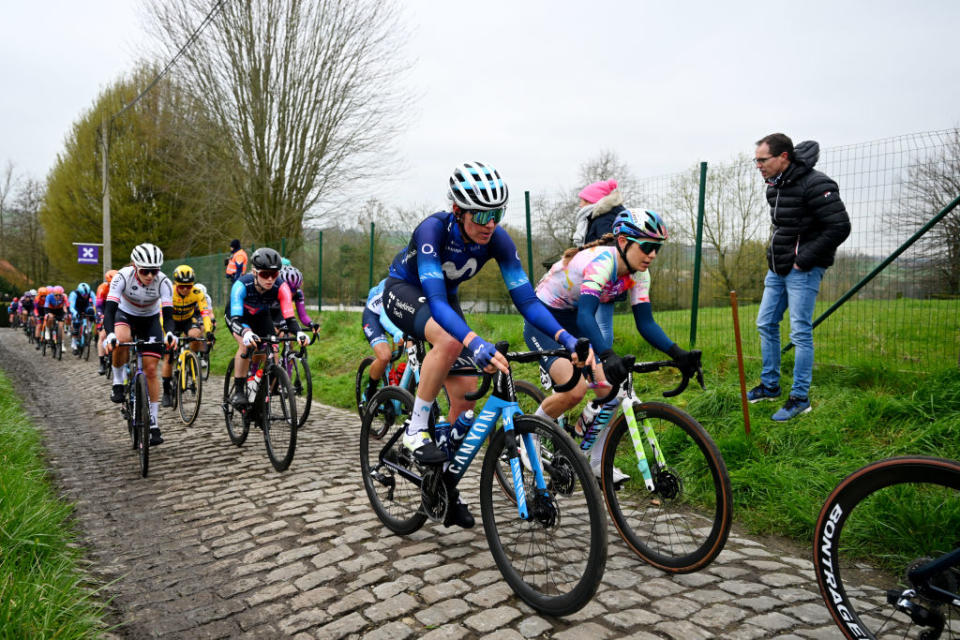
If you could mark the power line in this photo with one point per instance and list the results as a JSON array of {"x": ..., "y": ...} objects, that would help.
[{"x": 190, "y": 40}]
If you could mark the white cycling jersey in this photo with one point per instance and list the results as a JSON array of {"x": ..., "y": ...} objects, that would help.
[{"x": 137, "y": 299}]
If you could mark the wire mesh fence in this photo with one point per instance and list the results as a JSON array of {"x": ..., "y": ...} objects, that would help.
[{"x": 907, "y": 316}]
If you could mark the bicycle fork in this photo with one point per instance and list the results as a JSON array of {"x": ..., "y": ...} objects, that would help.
[{"x": 643, "y": 464}]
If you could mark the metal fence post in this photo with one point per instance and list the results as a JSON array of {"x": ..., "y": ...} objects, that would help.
[
  {"x": 526, "y": 198},
  {"x": 370, "y": 279},
  {"x": 320, "y": 272},
  {"x": 698, "y": 250}
]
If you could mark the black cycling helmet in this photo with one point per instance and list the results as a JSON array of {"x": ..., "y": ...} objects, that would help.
[{"x": 266, "y": 258}]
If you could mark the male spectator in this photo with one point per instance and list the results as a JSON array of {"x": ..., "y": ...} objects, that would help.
[
  {"x": 809, "y": 223},
  {"x": 237, "y": 262}
]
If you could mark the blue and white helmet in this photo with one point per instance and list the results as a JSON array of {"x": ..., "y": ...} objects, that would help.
[
  {"x": 475, "y": 186},
  {"x": 83, "y": 289}
]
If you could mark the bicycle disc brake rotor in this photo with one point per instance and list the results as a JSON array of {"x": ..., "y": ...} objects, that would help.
[
  {"x": 669, "y": 485},
  {"x": 562, "y": 476}
]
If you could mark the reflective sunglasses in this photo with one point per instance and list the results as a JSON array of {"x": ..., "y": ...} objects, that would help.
[
  {"x": 268, "y": 273},
  {"x": 148, "y": 272},
  {"x": 483, "y": 217},
  {"x": 648, "y": 247}
]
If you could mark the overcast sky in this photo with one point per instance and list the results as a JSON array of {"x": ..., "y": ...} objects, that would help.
[{"x": 537, "y": 88}]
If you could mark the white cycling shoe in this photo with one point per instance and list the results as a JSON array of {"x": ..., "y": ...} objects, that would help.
[{"x": 618, "y": 475}]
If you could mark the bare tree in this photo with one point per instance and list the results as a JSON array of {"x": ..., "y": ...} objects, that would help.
[
  {"x": 28, "y": 233},
  {"x": 304, "y": 90},
  {"x": 7, "y": 184},
  {"x": 734, "y": 223},
  {"x": 932, "y": 184}
]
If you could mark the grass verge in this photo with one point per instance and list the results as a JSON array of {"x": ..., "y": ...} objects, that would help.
[{"x": 43, "y": 593}]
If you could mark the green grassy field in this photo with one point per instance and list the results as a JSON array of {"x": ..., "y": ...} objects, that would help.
[
  {"x": 42, "y": 591},
  {"x": 863, "y": 409}
]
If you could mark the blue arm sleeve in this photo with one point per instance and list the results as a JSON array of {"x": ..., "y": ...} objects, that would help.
[
  {"x": 73, "y": 302},
  {"x": 587, "y": 323},
  {"x": 430, "y": 234},
  {"x": 386, "y": 323},
  {"x": 648, "y": 327}
]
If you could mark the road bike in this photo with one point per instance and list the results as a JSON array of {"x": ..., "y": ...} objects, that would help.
[
  {"x": 135, "y": 407},
  {"x": 675, "y": 508},
  {"x": 273, "y": 408},
  {"x": 86, "y": 336},
  {"x": 548, "y": 536},
  {"x": 297, "y": 365},
  {"x": 52, "y": 337},
  {"x": 887, "y": 550},
  {"x": 188, "y": 380}
]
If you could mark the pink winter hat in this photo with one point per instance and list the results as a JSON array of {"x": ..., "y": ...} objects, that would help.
[{"x": 594, "y": 192}]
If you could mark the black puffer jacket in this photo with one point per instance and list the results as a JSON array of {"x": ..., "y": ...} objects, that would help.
[{"x": 809, "y": 219}]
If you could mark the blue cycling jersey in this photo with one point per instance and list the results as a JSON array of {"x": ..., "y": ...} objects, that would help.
[
  {"x": 438, "y": 259},
  {"x": 375, "y": 304},
  {"x": 80, "y": 303}
]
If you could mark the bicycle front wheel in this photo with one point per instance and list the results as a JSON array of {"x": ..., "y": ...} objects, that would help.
[
  {"x": 683, "y": 523},
  {"x": 189, "y": 387},
  {"x": 58, "y": 348},
  {"x": 389, "y": 472},
  {"x": 278, "y": 417},
  {"x": 882, "y": 521},
  {"x": 142, "y": 422},
  {"x": 554, "y": 560},
  {"x": 529, "y": 398},
  {"x": 89, "y": 337},
  {"x": 238, "y": 427},
  {"x": 302, "y": 383}
]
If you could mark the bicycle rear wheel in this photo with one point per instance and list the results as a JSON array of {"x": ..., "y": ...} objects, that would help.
[
  {"x": 189, "y": 388},
  {"x": 554, "y": 561},
  {"x": 238, "y": 426},
  {"x": 390, "y": 475},
  {"x": 879, "y": 523},
  {"x": 683, "y": 524},
  {"x": 302, "y": 382},
  {"x": 360, "y": 383},
  {"x": 142, "y": 422},
  {"x": 278, "y": 417}
]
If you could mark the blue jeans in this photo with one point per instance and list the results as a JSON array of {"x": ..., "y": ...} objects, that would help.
[{"x": 796, "y": 291}]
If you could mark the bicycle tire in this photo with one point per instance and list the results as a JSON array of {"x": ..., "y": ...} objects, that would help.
[
  {"x": 58, "y": 344},
  {"x": 360, "y": 383},
  {"x": 890, "y": 514},
  {"x": 555, "y": 560},
  {"x": 302, "y": 382},
  {"x": 529, "y": 398},
  {"x": 142, "y": 408},
  {"x": 278, "y": 416},
  {"x": 205, "y": 362},
  {"x": 238, "y": 427},
  {"x": 682, "y": 526},
  {"x": 89, "y": 338},
  {"x": 394, "y": 498},
  {"x": 43, "y": 345},
  {"x": 189, "y": 388}
]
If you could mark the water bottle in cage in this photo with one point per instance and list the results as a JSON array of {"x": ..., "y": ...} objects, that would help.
[
  {"x": 252, "y": 383},
  {"x": 599, "y": 421},
  {"x": 459, "y": 429}
]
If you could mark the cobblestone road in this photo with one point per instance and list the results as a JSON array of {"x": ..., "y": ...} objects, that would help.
[{"x": 215, "y": 544}]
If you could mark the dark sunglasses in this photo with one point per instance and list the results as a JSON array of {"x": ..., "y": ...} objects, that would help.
[
  {"x": 483, "y": 217},
  {"x": 148, "y": 272},
  {"x": 268, "y": 273},
  {"x": 648, "y": 247}
]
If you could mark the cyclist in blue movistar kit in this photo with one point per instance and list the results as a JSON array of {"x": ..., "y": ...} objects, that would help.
[
  {"x": 376, "y": 326},
  {"x": 81, "y": 304},
  {"x": 420, "y": 297}
]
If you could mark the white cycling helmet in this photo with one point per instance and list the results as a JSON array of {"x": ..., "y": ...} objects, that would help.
[
  {"x": 201, "y": 287},
  {"x": 475, "y": 186},
  {"x": 146, "y": 256}
]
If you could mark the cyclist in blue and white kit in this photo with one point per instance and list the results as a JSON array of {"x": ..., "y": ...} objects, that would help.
[
  {"x": 376, "y": 326},
  {"x": 420, "y": 297},
  {"x": 81, "y": 304}
]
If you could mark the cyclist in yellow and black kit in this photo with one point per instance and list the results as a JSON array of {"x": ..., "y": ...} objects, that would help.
[{"x": 190, "y": 317}]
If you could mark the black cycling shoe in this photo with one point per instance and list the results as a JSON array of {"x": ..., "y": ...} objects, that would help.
[
  {"x": 117, "y": 395},
  {"x": 167, "y": 400},
  {"x": 239, "y": 398},
  {"x": 155, "y": 437},
  {"x": 425, "y": 450},
  {"x": 459, "y": 514},
  {"x": 38, "y": 346},
  {"x": 103, "y": 367}
]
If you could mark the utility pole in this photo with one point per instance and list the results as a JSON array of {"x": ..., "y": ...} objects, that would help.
[{"x": 107, "y": 253}]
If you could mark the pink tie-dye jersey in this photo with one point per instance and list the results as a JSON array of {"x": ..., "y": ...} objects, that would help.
[{"x": 592, "y": 272}]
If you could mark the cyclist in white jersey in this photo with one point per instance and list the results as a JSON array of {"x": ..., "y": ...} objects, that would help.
[{"x": 137, "y": 297}]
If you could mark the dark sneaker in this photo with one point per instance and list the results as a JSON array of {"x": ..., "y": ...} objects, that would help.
[
  {"x": 763, "y": 392},
  {"x": 794, "y": 407},
  {"x": 117, "y": 395},
  {"x": 155, "y": 437},
  {"x": 167, "y": 400},
  {"x": 103, "y": 367},
  {"x": 424, "y": 448},
  {"x": 459, "y": 515}
]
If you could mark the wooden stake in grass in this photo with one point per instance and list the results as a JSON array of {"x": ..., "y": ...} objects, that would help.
[{"x": 743, "y": 382}]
